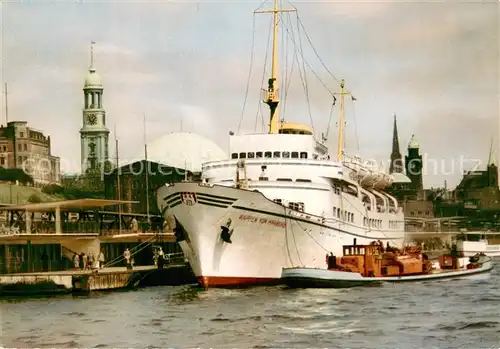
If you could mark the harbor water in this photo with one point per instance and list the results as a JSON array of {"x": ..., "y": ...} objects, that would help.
[{"x": 435, "y": 314}]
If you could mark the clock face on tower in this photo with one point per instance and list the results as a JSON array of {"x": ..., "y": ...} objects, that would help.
[{"x": 92, "y": 119}]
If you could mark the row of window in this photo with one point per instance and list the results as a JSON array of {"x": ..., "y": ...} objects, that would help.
[
  {"x": 20, "y": 160},
  {"x": 300, "y": 180},
  {"x": 22, "y": 147},
  {"x": 372, "y": 223},
  {"x": 343, "y": 214},
  {"x": 269, "y": 154},
  {"x": 396, "y": 224},
  {"x": 297, "y": 206},
  {"x": 419, "y": 212}
]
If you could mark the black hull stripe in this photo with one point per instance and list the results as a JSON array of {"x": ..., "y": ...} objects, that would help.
[
  {"x": 222, "y": 202},
  {"x": 210, "y": 196},
  {"x": 177, "y": 203},
  {"x": 168, "y": 197},
  {"x": 173, "y": 199},
  {"x": 213, "y": 204}
]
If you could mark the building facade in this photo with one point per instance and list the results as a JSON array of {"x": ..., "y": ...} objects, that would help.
[
  {"x": 29, "y": 149},
  {"x": 94, "y": 134}
]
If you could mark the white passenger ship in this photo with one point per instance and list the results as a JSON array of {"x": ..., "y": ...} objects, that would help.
[{"x": 279, "y": 201}]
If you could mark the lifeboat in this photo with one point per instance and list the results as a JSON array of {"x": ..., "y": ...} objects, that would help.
[{"x": 367, "y": 174}]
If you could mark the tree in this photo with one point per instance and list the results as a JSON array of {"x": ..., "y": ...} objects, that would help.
[
  {"x": 34, "y": 199},
  {"x": 15, "y": 174},
  {"x": 53, "y": 189}
]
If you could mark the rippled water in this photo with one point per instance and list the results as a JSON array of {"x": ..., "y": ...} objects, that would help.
[{"x": 447, "y": 314}]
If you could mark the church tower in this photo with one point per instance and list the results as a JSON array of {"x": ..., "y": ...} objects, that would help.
[
  {"x": 94, "y": 134},
  {"x": 396, "y": 165},
  {"x": 414, "y": 165}
]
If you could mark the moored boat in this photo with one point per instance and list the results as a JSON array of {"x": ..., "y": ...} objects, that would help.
[
  {"x": 370, "y": 264},
  {"x": 471, "y": 243}
]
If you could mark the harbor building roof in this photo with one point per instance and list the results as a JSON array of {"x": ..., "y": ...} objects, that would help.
[{"x": 183, "y": 150}]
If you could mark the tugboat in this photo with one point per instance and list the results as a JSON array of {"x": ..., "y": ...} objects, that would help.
[{"x": 372, "y": 264}]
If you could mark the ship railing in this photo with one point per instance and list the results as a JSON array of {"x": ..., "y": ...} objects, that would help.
[{"x": 129, "y": 231}]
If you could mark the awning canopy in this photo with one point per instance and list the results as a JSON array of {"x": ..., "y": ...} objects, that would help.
[{"x": 65, "y": 205}]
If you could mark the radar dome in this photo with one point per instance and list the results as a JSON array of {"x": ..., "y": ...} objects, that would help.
[{"x": 184, "y": 150}]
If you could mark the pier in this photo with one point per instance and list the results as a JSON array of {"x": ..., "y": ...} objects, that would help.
[
  {"x": 57, "y": 231},
  {"x": 78, "y": 281},
  {"x": 43, "y": 248}
]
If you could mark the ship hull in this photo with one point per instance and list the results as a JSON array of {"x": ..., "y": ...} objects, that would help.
[
  {"x": 324, "y": 278},
  {"x": 264, "y": 236}
]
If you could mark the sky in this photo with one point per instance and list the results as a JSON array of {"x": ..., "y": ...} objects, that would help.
[{"x": 185, "y": 65}]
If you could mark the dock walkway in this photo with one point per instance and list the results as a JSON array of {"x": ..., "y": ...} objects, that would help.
[{"x": 110, "y": 278}]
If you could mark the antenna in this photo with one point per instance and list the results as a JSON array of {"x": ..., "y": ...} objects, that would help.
[
  {"x": 342, "y": 93},
  {"x": 147, "y": 169},
  {"x": 271, "y": 98},
  {"x": 118, "y": 188},
  {"x": 6, "y": 106}
]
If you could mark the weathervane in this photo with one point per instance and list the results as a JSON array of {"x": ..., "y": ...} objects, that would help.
[{"x": 92, "y": 43}]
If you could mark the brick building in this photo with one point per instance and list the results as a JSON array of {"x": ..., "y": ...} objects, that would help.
[{"x": 29, "y": 149}]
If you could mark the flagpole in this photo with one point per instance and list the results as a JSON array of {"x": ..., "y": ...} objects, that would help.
[
  {"x": 118, "y": 188},
  {"x": 147, "y": 169}
]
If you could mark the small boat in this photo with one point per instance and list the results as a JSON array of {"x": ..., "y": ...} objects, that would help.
[
  {"x": 471, "y": 243},
  {"x": 370, "y": 264}
]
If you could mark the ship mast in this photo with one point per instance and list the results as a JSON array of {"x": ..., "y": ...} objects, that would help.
[
  {"x": 342, "y": 93},
  {"x": 271, "y": 98}
]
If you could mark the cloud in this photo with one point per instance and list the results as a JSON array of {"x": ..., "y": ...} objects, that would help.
[
  {"x": 434, "y": 64},
  {"x": 353, "y": 9}
]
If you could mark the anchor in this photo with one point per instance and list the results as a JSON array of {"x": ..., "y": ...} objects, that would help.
[{"x": 225, "y": 233}]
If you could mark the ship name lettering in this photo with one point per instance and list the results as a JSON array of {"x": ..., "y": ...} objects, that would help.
[
  {"x": 254, "y": 219},
  {"x": 245, "y": 217},
  {"x": 276, "y": 223}
]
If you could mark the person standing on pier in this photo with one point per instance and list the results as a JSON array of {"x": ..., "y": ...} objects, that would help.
[
  {"x": 84, "y": 260},
  {"x": 127, "y": 256},
  {"x": 134, "y": 225},
  {"x": 91, "y": 260},
  {"x": 76, "y": 261},
  {"x": 101, "y": 259},
  {"x": 161, "y": 258}
]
